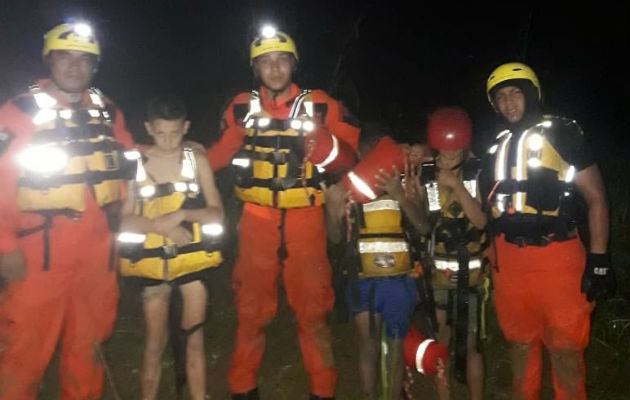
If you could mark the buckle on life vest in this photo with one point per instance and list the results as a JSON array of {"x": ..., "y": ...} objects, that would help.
[
  {"x": 170, "y": 251},
  {"x": 522, "y": 241},
  {"x": 276, "y": 157}
]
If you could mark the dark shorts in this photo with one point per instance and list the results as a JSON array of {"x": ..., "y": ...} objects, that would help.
[
  {"x": 138, "y": 284},
  {"x": 394, "y": 299}
]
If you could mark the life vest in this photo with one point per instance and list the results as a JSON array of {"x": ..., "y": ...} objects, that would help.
[
  {"x": 534, "y": 189},
  {"x": 70, "y": 150},
  {"x": 381, "y": 242},
  {"x": 157, "y": 257},
  {"x": 272, "y": 167},
  {"x": 453, "y": 229}
]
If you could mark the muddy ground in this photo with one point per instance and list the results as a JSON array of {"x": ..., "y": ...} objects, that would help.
[{"x": 282, "y": 375}]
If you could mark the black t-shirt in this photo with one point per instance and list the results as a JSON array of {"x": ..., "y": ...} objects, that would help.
[
  {"x": 568, "y": 139},
  {"x": 565, "y": 136}
]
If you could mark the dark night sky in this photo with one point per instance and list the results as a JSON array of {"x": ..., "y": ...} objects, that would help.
[{"x": 396, "y": 62}]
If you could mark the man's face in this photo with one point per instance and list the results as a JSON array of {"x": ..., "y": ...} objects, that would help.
[
  {"x": 71, "y": 70},
  {"x": 274, "y": 70},
  {"x": 510, "y": 102},
  {"x": 167, "y": 134}
]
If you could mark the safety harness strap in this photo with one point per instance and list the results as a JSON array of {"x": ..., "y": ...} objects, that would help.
[
  {"x": 461, "y": 314},
  {"x": 136, "y": 253},
  {"x": 282, "y": 248},
  {"x": 90, "y": 177},
  {"x": 278, "y": 184}
]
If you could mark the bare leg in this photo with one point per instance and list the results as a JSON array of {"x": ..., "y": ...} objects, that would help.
[
  {"x": 444, "y": 337},
  {"x": 368, "y": 352},
  {"x": 194, "y": 298},
  {"x": 474, "y": 368},
  {"x": 395, "y": 366},
  {"x": 155, "y": 306}
]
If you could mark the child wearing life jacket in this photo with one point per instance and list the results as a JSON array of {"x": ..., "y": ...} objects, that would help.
[
  {"x": 169, "y": 235},
  {"x": 381, "y": 292},
  {"x": 456, "y": 245}
]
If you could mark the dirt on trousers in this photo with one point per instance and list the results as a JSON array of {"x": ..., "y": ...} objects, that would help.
[{"x": 282, "y": 376}]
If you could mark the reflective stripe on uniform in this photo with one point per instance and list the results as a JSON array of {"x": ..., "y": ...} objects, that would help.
[
  {"x": 334, "y": 152},
  {"x": 422, "y": 348},
  {"x": 380, "y": 205},
  {"x": 443, "y": 265},
  {"x": 361, "y": 186},
  {"x": 383, "y": 247}
]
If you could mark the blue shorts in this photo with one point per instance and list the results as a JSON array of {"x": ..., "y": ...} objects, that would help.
[{"x": 394, "y": 300}]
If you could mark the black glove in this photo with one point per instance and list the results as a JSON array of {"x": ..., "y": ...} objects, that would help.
[{"x": 598, "y": 281}]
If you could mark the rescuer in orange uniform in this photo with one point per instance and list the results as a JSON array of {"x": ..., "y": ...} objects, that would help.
[
  {"x": 62, "y": 176},
  {"x": 281, "y": 139},
  {"x": 544, "y": 280}
]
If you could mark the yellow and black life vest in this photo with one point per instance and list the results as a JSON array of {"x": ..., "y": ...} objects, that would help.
[
  {"x": 453, "y": 229},
  {"x": 157, "y": 257},
  {"x": 71, "y": 150},
  {"x": 533, "y": 193},
  {"x": 271, "y": 167},
  {"x": 381, "y": 242}
]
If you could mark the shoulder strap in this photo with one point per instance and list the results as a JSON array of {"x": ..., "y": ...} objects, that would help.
[
  {"x": 254, "y": 104},
  {"x": 189, "y": 164},
  {"x": 96, "y": 97},
  {"x": 297, "y": 105}
]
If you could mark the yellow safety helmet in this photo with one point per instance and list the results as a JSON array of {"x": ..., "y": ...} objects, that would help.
[
  {"x": 510, "y": 71},
  {"x": 79, "y": 37},
  {"x": 270, "y": 40}
]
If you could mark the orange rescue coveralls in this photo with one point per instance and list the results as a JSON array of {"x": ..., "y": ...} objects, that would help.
[
  {"x": 540, "y": 258},
  {"x": 73, "y": 301},
  {"x": 538, "y": 301},
  {"x": 305, "y": 270}
]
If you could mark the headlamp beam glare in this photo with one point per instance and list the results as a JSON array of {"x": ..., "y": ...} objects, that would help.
[
  {"x": 268, "y": 31},
  {"x": 83, "y": 29}
]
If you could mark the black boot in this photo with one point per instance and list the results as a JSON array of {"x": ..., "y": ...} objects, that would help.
[
  {"x": 251, "y": 395},
  {"x": 314, "y": 397}
]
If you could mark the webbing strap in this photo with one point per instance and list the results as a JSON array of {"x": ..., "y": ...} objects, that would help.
[{"x": 461, "y": 314}]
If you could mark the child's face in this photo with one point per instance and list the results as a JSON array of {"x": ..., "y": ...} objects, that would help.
[
  {"x": 167, "y": 134},
  {"x": 449, "y": 158}
]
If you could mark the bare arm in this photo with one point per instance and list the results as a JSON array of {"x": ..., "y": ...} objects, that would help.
[
  {"x": 213, "y": 213},
  {"x": 129, "y": 221},
  {"x": 470, "y": 205},
  {"x": 165, "y": 224},
  {"x": 335, "y": 211},
  {"x": 413, "y": 210},
  {"x": 589, "y": 183}
]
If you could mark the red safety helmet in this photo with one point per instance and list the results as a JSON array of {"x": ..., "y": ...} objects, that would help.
[{"x": 449, "y": 128}]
